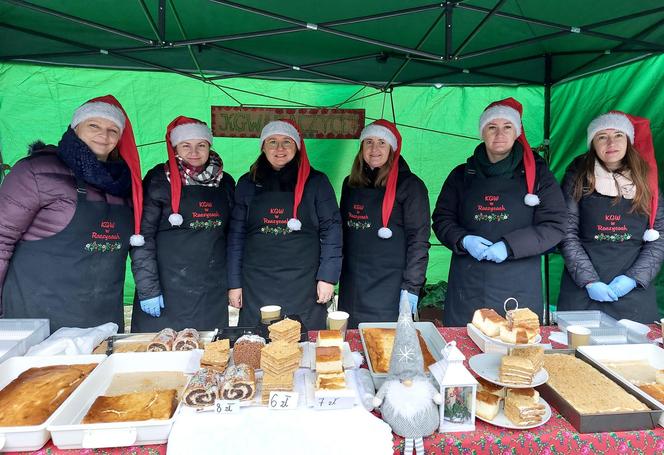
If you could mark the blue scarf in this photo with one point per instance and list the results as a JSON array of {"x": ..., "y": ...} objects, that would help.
[{"x": 112, "y": 177}]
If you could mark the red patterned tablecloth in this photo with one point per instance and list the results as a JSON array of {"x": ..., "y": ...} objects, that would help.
[{"x": 557, "y": 436}]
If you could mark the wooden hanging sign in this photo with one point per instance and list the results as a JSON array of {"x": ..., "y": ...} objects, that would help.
[{"x": 234, "y": 121}]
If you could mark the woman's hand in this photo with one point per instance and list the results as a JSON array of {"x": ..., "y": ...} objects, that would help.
[
  {"x": 325, "y": 291},
  {"x": 235, "y": 297}
]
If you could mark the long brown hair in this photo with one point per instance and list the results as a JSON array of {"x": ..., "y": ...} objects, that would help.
[
  {"x": 584, "y": 182},
  {"x": 358, "y": 179}
]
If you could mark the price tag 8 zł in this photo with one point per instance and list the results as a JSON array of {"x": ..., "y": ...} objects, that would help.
[
  {"x": 226, "y": 406},
  {"x": 281, "y": 401}
]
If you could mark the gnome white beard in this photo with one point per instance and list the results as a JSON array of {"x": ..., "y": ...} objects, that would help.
[{"x": 407, "y": 402}]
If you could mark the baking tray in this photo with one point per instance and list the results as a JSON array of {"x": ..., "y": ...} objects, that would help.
[
  {"x": 430, "y": 334},
  {"x": 652, "y": 354},
  {"x": 595, "y": 423},
  {"x": 116, "y": 341},
  {"x": 67, "y": 430},
  {"x": 33, "y": 437}
]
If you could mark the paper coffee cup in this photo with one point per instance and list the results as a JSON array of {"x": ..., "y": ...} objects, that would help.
[
  {"x": 577, "y": 335},
  {"x": 338, "y": 320},
  {"x": 270, "y": 313}
]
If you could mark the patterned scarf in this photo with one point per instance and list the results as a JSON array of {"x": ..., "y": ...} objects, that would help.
[
  {"x": 209, "y": 175},
  {"x": 113, "y": 177}
]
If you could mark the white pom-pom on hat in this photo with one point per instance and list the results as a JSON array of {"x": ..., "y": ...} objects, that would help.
[
  {"x": 294, "y": 224},
  {"x": 137, "y": 240},
  {"x": 175, "y": 219},
  {"x": 650, "y": 235},
  {"x": 384, "y": 232},
  {"x": 531, "y": 199}
]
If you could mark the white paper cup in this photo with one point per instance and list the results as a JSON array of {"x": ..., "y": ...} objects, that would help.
[
  {"x": 270, "y": 313},
  {"x": 577, "y": 335},
  {"x": 338, "y": 320}
]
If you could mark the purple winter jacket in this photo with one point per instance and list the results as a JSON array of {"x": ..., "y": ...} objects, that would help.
[{"x": 38, "y": 200}]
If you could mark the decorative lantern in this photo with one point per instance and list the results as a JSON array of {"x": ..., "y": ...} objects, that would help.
[{"x": 458, "y": 388}]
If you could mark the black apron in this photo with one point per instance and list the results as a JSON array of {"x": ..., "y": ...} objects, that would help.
[
  {"x": 191, "y": 260},
  {"x": 279, "y": 266},
  {"x": 612, "y": 237},
  {"x": 75, "y": 278},
  {"x": 372, "y": 271},
  {"x": 491, "y": 208}
]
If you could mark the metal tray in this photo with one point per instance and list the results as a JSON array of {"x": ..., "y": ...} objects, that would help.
[
  {"x": 432, "y": 337},
  {"x": 598, "y": 356},
  {"x": 594, "y": 423},
  {"x": 115, "y": 341}
]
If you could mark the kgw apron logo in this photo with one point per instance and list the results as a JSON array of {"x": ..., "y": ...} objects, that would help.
[
  {"x": 490, "y": 211},
  {"x": 205, "y": 217},
  {"x": 105, "y": 240},
  {"x": 276, "y": 222},
  {"x": 612, "y": 232},
  {"x": 358, "y": 220}
]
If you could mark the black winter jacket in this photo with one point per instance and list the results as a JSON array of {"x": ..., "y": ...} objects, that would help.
[
  {"x": 323, "y": 203},
  {"x": 548, "y": 220},
  {"x": 156, "y": 210},
  {"x": 412, "y": 197},
  {"x": 577, "y": 261}
]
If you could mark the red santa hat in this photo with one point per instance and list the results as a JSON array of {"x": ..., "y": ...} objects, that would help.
[
  {"x": 511, "y": 110},
  {"x": 289, "y": 128},
  {"x": 387, "y": 131},
  {"x": 179, "y": 130},
  {"x": 638, "y": 131},
  {"x": 109, "y": 108}
]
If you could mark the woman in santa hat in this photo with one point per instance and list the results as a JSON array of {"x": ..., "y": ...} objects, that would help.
[
  {"x": 612, "y": 247},
  {"x": 181, "y": 271},
  {"x": 284, "y": 245},
  {"x": 66, "y": 222},
  {"x": 498, "y": 213},
  {"x": 385, "y": 214}
]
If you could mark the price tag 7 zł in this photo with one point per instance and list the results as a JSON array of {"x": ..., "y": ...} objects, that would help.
[
  {"x": 281, "y": 401},
  {"x": 324, "y": 403}
]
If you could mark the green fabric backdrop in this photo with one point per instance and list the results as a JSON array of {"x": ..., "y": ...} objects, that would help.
[{"x": 36, "y": 102}]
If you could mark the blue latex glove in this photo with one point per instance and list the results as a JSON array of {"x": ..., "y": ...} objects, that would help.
[
  {"x": 476, "y": 245},
  {"x": 601, "y": 292},
  {"x": 412, "y": 300},
  {"x": 622, "y": 285},
  {"x": 153, "y": 306},
  {"x": 496, "y": 252}
]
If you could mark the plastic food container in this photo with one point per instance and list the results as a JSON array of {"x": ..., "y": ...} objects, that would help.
[
  {"x": 67, "y": 430},
  {"x": 590, "y": 319},
  {"x": 33, "y": 437},
  {"x": 25, "y": 332}
]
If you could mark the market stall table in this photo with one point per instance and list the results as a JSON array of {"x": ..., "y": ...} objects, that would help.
[{"x": 556, "y": 436}]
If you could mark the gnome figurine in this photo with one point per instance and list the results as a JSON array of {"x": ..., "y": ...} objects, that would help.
[{"x": 408, "y": 401}]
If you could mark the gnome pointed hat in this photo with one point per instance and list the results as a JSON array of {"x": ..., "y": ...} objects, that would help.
[{"x": 406, "y": 361}]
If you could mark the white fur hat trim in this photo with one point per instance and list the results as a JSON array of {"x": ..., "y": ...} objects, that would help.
[
  {"x": 610, "y": 121},
  {"x": 373, "y": 130},
  {"x": 279, "y": 127},
  {"x": 189, "y": 131},
  {"x": 98, "y": 109},
  {"x": 501, "y": 111}
]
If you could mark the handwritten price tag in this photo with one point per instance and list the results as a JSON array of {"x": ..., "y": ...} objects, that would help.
[
  {"x": 325, "y": 403},
  {"x": 280, "y": 401},
  {"x": 226, "y": 406}
]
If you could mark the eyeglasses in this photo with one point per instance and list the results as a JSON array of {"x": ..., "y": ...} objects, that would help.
[{"x": 273, "y": 144}]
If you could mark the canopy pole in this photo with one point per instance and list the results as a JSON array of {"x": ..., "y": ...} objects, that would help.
[
  {"x": 548, "y": 63},
  {"x": 162, "y": 21},
  {"x": 448, "y": 30}
]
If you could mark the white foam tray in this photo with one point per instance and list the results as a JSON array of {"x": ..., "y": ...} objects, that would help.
[
  {"x": 33, "y": 437},
  {"x": 67, "y": 430},
  {"x": 650, "y": 353}
]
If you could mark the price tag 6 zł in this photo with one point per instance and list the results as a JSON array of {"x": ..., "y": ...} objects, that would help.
[{"x": 281, "y": 401}]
